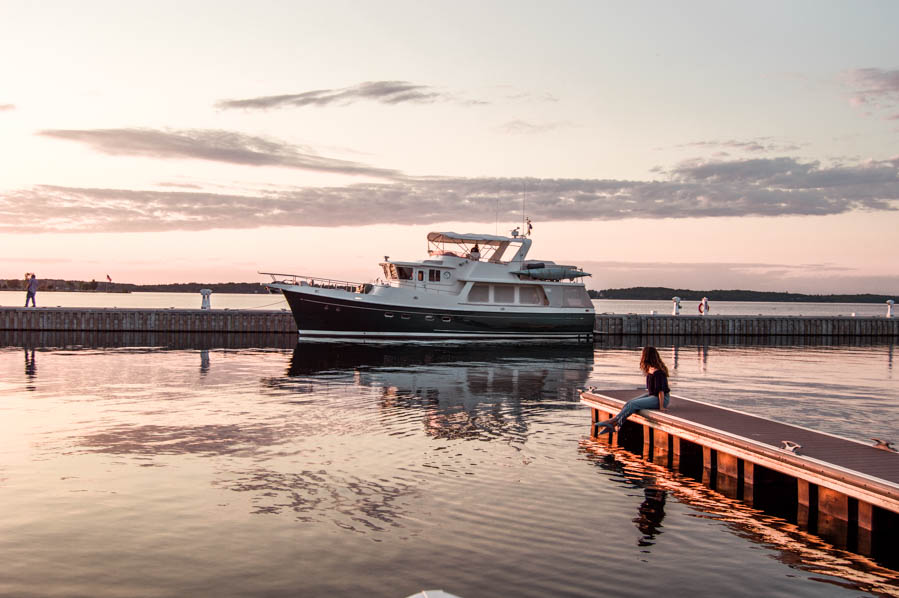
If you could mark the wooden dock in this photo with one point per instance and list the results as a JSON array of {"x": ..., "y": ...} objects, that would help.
[
  {"x": 841, "y": 489},
  {"x": 745, "y": 326}
]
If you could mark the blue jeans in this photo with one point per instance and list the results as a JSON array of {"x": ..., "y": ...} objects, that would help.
[
  {"x": 29, "y": 295},
  {"x": 642, "y": 402}
]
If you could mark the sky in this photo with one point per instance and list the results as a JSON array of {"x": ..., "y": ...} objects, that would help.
[{"x": 705, "y": 145}]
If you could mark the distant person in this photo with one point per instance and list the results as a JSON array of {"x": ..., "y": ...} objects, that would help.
[
  {"x": 31, "y": 290},
  {"x": 475, "y": 253},
  {"x": 657, "y": 391}
]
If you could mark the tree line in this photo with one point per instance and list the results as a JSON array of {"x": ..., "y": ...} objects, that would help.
[{"x": 665, "y": 294}]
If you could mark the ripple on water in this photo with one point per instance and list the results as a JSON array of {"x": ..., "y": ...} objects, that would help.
[{"x": 388, "y": 470}]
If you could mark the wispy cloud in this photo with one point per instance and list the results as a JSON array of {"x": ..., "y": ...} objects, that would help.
[
  {"x": 762, "y": 187},
  {"x": 7, "y": 107},
  {"x": 521, "y": 127},
  {"x": 384, "y": 92},
  {"x": 756, "y": 145},
  {"x": 875, "y": 89},
  {"x": 214, "y": 145}
]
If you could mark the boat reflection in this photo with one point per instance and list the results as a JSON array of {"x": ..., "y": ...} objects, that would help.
[
  {"x": 461, "y": 374},
  {"x": 465, "y": 391}
]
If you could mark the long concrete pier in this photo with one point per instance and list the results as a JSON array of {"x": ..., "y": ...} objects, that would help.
[
  {"x": 281, "y": 321},
  {"x": 745, "y": 326},
  {"x": 146, "y": 320}
]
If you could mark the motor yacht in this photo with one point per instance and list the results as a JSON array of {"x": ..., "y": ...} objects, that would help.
[{"x": 470, "y": 286}]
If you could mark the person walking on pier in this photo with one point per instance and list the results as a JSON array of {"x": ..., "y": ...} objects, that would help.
[
  {"x": 657, "y": 391},
  {"x": 31, "y": 290}
]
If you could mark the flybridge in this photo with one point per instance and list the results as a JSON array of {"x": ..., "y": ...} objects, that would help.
[{"x": 491, "y": 248}]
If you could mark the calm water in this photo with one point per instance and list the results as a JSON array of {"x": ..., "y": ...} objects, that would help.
[
  {"x": 384, "y": 470},
  {"x": 243, "y": 301}
]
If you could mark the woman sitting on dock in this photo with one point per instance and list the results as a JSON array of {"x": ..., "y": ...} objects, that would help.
[{"x": 657, "y": 392}]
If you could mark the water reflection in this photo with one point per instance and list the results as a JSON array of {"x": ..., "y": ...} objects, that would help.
[
  {"x": 633, "y": 341},
  {"x": 30, "y": 369},
  {"x": 351, "y": 503},
  {"x": 464, "y": 391},
  {"x": 794, "y": 547},
  {"x": 125, "y": 338},
  {"x": 650, "y": 514},
  {"x": 204, "y": 362}
]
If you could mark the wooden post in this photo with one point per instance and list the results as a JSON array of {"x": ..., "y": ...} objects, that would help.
[
  {"x": 865, "y": 527},
  {"x": 727, "y": 478},
  {"x": 804, "y": 506},
  {"x": 833, "y": 515},
  {"x": 675, "y": 453},
  {"x": 647, "y": 442},
  {"x": 708, "y": 466},
  {"x": 660, "y": 447},
  {"x": 748, "y": 481}
]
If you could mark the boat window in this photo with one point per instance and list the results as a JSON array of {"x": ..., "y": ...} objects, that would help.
[
  {"x": 429, "y": 318},
  {"x": 503, "y": 293},
  {"x": 404, "y": 273},
  {"x": 405, "y": 316},
  {"x": 479, "y": 293},
  {"x": 433, "y": 275},
  {"x": 446, "y": 319},
  {"x": 388, "y": 314},
  {"x": 575, "y": 297},
  {"x": 531, "y": 295},
  {"x": 421, "y": 275}
]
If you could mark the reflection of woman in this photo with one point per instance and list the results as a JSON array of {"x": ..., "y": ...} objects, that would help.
[
  {"x": 650, "y": 515},
  {"x": 657, "y": 392}
]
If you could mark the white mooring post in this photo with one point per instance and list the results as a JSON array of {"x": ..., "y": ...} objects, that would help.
[
  {"x": 675, "y": 310},
  {"x": 890, "y": 303},
  {"x": 206, "y": 293}
]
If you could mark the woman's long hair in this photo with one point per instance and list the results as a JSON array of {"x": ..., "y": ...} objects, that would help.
[{"x": 651, "y": 359}]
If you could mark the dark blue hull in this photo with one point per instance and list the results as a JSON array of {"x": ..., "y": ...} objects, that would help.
[{"x": 320, "y": 316}]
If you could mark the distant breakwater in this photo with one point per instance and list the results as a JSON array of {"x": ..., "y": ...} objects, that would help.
[
  {"x": 95, "y": 319},
  {"x": 245, "y": 321},
  {"x": 745, "y": 326}
]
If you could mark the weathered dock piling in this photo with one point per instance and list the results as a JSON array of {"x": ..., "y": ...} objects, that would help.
[
  {"x": 843, "y": 490},
  {"x": 146, "y": 320},
  {"x": 744, "y": 326}
]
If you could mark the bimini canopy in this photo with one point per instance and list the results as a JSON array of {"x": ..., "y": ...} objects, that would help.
[
  {"x": 469, "y": 238},
  {"x": 490, "y": 247}
]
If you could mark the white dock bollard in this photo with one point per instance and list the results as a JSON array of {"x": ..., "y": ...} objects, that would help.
[
  {"x": 205, "y": 293},
  {"x": 890, "y": 303},
  {"x": 675, "y": 310}
]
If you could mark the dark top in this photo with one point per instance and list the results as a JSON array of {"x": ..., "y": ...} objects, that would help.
[{"x": 657, "y": 382}]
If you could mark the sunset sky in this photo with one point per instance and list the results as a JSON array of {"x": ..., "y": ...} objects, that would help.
[{"x": 688, "y": 144}]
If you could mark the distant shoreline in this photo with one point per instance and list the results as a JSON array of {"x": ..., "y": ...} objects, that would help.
[
  {"x": 665, "y": 294},
  {"x": 631, "y": 293}
]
